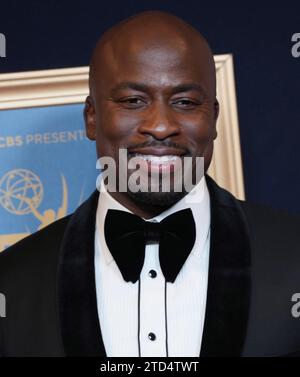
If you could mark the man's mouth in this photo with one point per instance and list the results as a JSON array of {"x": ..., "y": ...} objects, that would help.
[
  {"x": 157, "y": 163},
  {"x": 157, "y": 159}
]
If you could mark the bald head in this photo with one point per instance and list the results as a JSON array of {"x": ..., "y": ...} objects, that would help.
[{"x": 151, "y": 35}]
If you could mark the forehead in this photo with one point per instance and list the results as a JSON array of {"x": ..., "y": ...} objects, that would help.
[{"x": 156, "y": 64}]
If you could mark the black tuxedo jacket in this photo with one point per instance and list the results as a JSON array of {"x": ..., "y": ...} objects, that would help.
[{"x": 254, "y": 269}]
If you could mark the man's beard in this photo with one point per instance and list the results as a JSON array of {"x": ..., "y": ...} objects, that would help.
[
  {"x": 157, "y": 199},
  {"x": 164, "y": 191}
]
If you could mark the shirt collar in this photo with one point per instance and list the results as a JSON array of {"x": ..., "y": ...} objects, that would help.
[{"x": 197, "y": 200}]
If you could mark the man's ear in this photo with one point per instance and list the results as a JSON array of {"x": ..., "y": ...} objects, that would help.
[
  {"x": 216, "y": 114},
  {"x": 90, "y": 118},
  {"x": 216, "y": 109}
]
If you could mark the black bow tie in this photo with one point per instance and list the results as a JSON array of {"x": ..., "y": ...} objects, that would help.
[{"x": 127, "y": 234}]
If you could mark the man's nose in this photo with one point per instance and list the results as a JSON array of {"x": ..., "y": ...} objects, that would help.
[{"x": 159, "y": 123}]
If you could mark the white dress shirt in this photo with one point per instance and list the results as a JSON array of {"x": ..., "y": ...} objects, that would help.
[{"x": 152, "y": 317}]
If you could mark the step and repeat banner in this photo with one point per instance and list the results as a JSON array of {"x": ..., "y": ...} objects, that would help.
[{"x": 47, "y": 168}]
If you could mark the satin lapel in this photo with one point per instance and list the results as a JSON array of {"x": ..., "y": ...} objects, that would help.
[
  {"x": 78, "y": 313},
  {"x": 228, "y": 295}
]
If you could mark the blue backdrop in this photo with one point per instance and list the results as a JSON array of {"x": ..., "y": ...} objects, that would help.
[{"x": 48, "y": 167}]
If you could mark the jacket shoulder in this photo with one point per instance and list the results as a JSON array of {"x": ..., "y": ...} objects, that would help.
[
  {"x": 38, "y": 253},
  {"x": 274, "y": 233},
  {"x": 33, "y": 251},
  {"x": 275, "y": 241}
]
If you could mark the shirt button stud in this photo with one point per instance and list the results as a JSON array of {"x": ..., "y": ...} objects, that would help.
[
  {"x": 152, "y": 274},
  {"x": 151, "y": 336}
]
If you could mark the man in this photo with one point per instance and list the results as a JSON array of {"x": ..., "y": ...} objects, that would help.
[{"x": 154, "y": 273}]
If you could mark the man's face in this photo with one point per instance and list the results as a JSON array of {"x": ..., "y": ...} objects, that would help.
[{"x": 153, "y": 101}]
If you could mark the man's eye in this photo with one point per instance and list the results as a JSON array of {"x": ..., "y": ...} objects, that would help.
[
  {"x": 185, "y": 103},
  {"x": 132, "y": 102}
]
